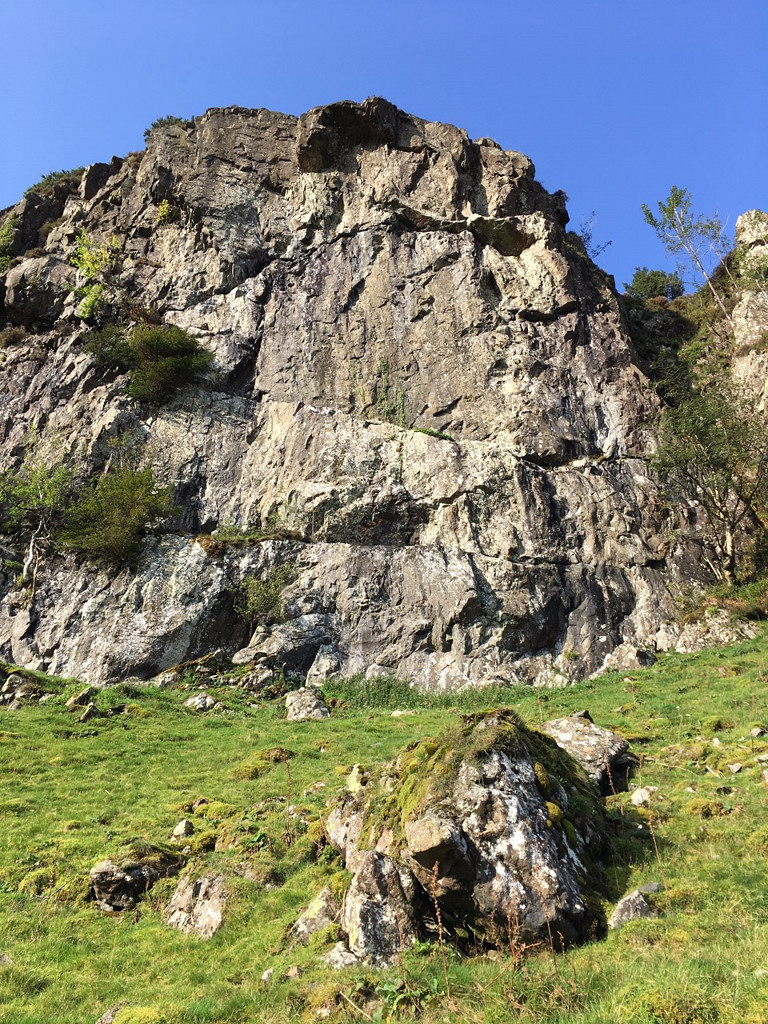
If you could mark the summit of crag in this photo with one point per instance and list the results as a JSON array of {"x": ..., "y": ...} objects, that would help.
[{"x": 423, "y": 429}]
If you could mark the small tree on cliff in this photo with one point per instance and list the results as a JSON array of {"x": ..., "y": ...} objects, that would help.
[
  {"x": 692, "y": 239},
  {"x": 714, "y": 444}
]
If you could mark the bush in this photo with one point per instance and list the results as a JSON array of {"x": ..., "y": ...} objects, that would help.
[
  {"x": 108, "y": 523},
  {"x": 160, "y": 359},
  {"x": 651, "y": 284},
  {"x": 260, "y": 600},
  {"x": 48, "y": 182},
  {"x": 12, "y": 336},
  {"x": 6, "y": 243},
  {"x": 162, "y": 122}
]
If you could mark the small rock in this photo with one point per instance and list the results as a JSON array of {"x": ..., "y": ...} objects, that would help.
[
  {"x": 651, "y": 887},
  {"x": 605, "y": 755},
  {"x": 632, "y": 907},
  {"x": 759, "y": 730},
  {"x": 80, "y": 700},
  {"x": 398, "y": 714},
  {"x": 201, "y": 702},
  {"x": 689, "y": 789},
  {"x": 197, "y": 906},
  {"x": 322, "y": 911},
  {"x": 165, "y": 680},
  {"x": 293, "y": 972},
  {"x": 376, "y": 672},
  {"x": 90, "y": 712},
  {"x": 305, "y": 704},
  {"x": 339, "y": 957},
  {"x": 15, "y": 705},
  {"x": 267, "y": 975},
  {"x": 736, "y": 767},
  {"x": 643, "y": 795},
  {"x": 111, "y": 1014},
  {"x": 5, "y": 960},
  {"x": 716, "y": 742},
  {"x": 116, "y": 888},
  {"x": 327, "y": 662},
  {"x": 184, "y": 828}
]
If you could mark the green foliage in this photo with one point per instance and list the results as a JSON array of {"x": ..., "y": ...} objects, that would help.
[
  {"x": 159, "y": 358},
  {"x": 164, "y": 212},
  {"x": 6, "y": 243},
  {"x": 47, "y": 183},
  {"x": 650, "y": 284},
  {"x": 92, "y": 301},
  {"x": 259, "y": 599},
  {"x": 714, "y": 444},
  {"x": 92, "y": 258},
  {"x": 12, "y": 336},
  {"x": 34, "y": 499},
  {"x": 388, "y": 399},
  {"x": 70, "y": 962},
  {"x": 162, "y": 122},
  {"x": 697, "y": 242},
  {"x": 109, "y": 521}
]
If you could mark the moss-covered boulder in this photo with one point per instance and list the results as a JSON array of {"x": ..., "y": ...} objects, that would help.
[{"x": 490, "y": 832}]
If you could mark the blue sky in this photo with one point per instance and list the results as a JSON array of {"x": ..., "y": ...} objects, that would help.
[{"x": 614, "y": 100}]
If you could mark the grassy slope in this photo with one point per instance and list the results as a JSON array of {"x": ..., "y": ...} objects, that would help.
[{"x": 71, "y": 794}]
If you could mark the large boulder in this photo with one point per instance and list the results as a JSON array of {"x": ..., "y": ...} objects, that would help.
[
  {"x": 491, "y": 824},
  {"x": 604, "y": 755}
]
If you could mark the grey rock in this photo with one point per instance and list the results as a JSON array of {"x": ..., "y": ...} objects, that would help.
[
  {"x": 485, "y": 848},
  {"x": 632, "y": 907},
  {"x": 111, "y": 1014},
  {"x": 184, "y": 828},
  {"x": 324, "y": 910},
  {"x": 382, "y": 273},
  {"x": 197, "y": 906},
  {"x": 651, "y": 887},
  {"x": 643, "y": 795},
  {"x": 604, "y": 754},
  {"x": 379, "y": 910},
  {"x": 716, "y": 629},
  {"x": 90, "y": 712},
  {"x": 340, "y": 957},
  {"x": 327, "y": 662},
  {"x": 118, "y": 888},
  {"x": 201, "y": 702},
  {"x": 305, "y": 704},
  {"x": 5, "y": 960},
  {"x": 81, "y": 699}
]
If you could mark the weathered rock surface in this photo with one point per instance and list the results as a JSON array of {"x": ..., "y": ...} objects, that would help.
[
  {"x": 118, "y": 888},
  {"x": 482, "y": 822},
  {"x": 305, "y": 704},
  {"x": 632, "y": 907},
  {"x": 419, "y": 376},
  {"x": 324, "y": 910},
  {"x": 603, "y": 754},
  {"x": 197, "y": 906}
]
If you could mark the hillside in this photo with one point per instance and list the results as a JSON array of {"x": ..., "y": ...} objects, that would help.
[{"x": 74, "y": 794}]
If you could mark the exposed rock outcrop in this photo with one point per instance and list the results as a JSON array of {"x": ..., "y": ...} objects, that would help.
[
  {"x": 197, "y": 906},
  {"x": 420, "y": 377},
  {"x": 492, "y": 826}
]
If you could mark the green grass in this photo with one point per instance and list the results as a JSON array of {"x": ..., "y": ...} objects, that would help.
[{"x": 71, "y": 794}]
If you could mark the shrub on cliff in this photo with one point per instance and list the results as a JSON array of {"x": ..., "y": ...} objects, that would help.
[
  {"x": 159, "y": 358},
  {"x": 109, "y": 521}
]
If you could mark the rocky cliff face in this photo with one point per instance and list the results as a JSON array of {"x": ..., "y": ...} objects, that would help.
[{"x": 419, "y": 376}]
